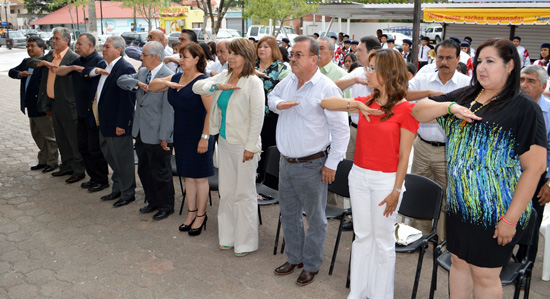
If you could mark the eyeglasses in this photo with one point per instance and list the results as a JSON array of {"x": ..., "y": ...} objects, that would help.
[
  {"x": 298, "y": 55},
  {"x": 370, "y": 70}
]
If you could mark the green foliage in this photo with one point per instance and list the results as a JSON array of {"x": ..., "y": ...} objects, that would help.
[
  {"x": 39, "y": 6},
  {"x": 263, "y": 10},
  {"x": 146, "y": 8}
]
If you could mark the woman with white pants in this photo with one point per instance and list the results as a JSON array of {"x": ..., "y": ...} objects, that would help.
[
  {"x": 237, "y": 114},
  {"x": 385, "y": 134}
]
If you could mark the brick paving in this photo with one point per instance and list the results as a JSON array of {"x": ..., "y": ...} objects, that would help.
[{"x": 58, "y": 241}]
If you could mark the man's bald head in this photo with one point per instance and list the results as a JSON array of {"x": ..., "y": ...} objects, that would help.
[{"x": 157, "y": 36}]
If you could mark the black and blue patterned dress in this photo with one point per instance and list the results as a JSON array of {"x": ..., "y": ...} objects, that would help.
[{"x": 483, "y": 170}]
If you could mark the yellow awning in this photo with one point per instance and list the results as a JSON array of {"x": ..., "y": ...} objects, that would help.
[{"x": 492, "y": 16}]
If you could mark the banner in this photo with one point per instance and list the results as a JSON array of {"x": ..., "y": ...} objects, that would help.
[{"x": 491, "y": 16}]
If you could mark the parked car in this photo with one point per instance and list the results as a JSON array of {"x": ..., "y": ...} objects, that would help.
[
  {"x": 100, "y": 41},
  {"x": 46, "y": 37},
  {"x": 136, "y": 38},
  {"x": 19, "y": 40},
  {"x": 259, "y": 31},
  {"x": 31, "y": 32},
  {"x": 222, "y": 34},
  {"x": 434, "y": 33}
]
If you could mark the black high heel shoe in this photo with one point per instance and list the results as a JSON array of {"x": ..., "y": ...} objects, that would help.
[
  {"x": 185, "y": 228},
  {"x": 197, "y": 231}
]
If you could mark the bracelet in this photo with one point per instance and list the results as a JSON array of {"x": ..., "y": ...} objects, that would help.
[
  {"x": 214, "y": 87},
  {"x": 506, "y": 221},
  {"x": 349, "y": 102},
  {"x": 449, "y": 107},
  {"x": 397, "y": 189}
]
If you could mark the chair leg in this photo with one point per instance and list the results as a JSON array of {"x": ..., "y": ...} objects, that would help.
[
  {"x": 335, "y": 252},
  {"x": 283, "y": 246},
  {"x": 277, "y": 235},
  {"x": 434, "y": 273},
  {"x": 259, "y": 215},
  {"x": 183, "y": 195},
  {"x": 527, "y": 284},
  {"x": 419, "y": 269}
]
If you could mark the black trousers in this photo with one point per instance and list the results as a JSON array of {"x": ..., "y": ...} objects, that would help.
[
  {"x": 155, "y": 173},
  {"x": 522, "y": 251},
  {"x": 88, "y": 146}
]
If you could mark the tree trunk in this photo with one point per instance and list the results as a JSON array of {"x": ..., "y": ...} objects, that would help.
[
  {"x": 92, "y": 17},
  {"x": 135, "y": 20}
]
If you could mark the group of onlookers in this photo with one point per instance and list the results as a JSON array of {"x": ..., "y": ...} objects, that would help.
[{"x": 481, "y": 138}]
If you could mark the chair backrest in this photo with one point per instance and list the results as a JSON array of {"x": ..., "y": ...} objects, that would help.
[
  {"x": 272, "y": 157},
  {"x": 340, "y": 185},
  {"x": 529, "y": 234},
  {"x": 422, "y": 198}
]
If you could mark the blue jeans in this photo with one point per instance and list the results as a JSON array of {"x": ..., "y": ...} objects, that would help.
[{"x": 301, "y": 188}]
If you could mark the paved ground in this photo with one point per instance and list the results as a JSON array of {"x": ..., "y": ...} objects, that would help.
[{"x": 58, "y": 241}]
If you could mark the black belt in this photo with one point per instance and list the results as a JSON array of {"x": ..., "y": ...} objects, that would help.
[
  {"x": 354, "y": 125},
  {"x": 307, "y": 158},
  {"x": 434, "y": 143}
]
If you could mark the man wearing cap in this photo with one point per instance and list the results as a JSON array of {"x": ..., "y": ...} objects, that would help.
[
  {"x": 285, "y": 42},
  {"x": 407, "y": 43},
  {"x": 384, "y": 41},
  {"x": 354, "y": 46},
  {"x": 423, "y": 50},
  {"x": 347, "y": 47},
  {"x": 465, "y": 47},
  {"x": 391, "y": 44},
  {"x": 472, "y": 50},
  {"x": 523, "y": 53}
]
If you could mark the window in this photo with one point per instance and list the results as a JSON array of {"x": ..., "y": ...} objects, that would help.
[
  {"x": 254, "y": 31},
  {"x": 197, "y": 25}
]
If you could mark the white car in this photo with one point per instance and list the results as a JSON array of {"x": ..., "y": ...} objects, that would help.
[
  {"x": 434, "y": 33},
  {"x": 259, "y": 31}
]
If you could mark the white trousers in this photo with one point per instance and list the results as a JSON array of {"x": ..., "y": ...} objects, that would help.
[
  {"x": 238, "y": 211},
  {"x": 373, "y": 251}
]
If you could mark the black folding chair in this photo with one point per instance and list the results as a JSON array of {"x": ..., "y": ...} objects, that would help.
[
  {"x": 515, "y": 271},
  {"x": 269, "y": 191}
]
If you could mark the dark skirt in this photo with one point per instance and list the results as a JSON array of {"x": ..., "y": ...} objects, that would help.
[{"x": 475, "y": 243}]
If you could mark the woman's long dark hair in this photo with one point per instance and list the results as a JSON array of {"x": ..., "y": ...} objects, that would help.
[
  {"x": 392, "y": 71},
  {"x": 506, "y": 51}
]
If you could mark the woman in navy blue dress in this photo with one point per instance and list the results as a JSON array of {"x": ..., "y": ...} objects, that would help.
[{"x": 192, "y": 142}]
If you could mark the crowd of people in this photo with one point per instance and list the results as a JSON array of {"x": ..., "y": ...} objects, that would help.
[{"x": 481, "y": 134}]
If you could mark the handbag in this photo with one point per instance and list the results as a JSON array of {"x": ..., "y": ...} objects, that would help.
[{"x": 405, "y": 234}]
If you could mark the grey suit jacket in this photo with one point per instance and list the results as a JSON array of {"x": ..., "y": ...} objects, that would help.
[
  {"x": 154, "y": 116},
  {"x": 65, "y": 104}
]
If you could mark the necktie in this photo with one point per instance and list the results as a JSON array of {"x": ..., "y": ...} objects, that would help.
[
  {"x": 148, "y": 77},
  {"x": 95, "y": 110}
]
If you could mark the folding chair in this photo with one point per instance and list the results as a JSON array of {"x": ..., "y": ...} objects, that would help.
[{"x": 269, "y": 192}]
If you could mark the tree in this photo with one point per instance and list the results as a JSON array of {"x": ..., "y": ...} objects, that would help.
[
  {"x": 40, "y": 6},
  {"x": 209, "y": 12},
  {"x": 146, "y": 8},
  {"x": 278, "y": 10}
]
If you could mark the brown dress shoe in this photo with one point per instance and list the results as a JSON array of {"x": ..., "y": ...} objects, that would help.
[
  {"x": 287, "y": 268},
  {"x": 306, "y": 278}
]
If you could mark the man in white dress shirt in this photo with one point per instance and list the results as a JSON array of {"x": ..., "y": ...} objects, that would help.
[
  {"x": 304, "y": 133},
  {"x": 429, "y": 146},
  {"x": 220, "y": 64}
]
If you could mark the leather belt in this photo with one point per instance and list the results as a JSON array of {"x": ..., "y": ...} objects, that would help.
[
  {"x": 307, "y": 158},
  {"x": 434, "y": 143},
  {"x": 354, "y": 125}
]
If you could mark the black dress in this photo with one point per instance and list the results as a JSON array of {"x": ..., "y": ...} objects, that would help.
[
  {"x": 483, "y": 170},
  {"x": 189, "y": 114}
]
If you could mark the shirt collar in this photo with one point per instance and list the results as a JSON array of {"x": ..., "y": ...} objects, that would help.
[
  {"x": 314, "y": 79},
  {"x": 112, "y": 64},
  {"x": 60, "y": 54},
  {"x": 155, "y": 71},
  {"x": 435, "y": 77}
]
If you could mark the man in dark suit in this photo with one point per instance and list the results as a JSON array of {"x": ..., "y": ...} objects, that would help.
[
  {"x": 407, "y": 44},
  {"x": 153, "y": 128},
  {"x": 88, "y": 132},
  {"x": 115, "y": 114},
  {"x": 56, "y": 96},
  {"x": 40, "y": 123}
]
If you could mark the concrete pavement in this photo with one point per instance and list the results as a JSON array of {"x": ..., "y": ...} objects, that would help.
[{"x": 58, "y": 241}]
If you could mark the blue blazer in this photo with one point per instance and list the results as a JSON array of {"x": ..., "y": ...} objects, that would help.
[
  {"x": 84, "y": 87},
  {"x": 116, "y": 106},
  {"x": 30, "y": 97}
]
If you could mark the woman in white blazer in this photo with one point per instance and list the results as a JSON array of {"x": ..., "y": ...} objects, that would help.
[{"x": 237, "y": 114}]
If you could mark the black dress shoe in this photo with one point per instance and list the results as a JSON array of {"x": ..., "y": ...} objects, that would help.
[
  {"x": 162, "y": 214},
  {"x": 38, "y": 166},
  {"x": 122, "y": 202},
  {"x": 75, "y": 178},
  {"x": 306, "y": 277},
  {"x": 347, "y": 226},
  {"x": 62, "y": 173},
  {"x": 49, "y": 168},
  {"x": 287, "y": 268},
  {"x": 110, "y": 196},
  {"x": 87, "y": 185},
  {"x": 147, "y": 209},
  {"x": 97, "y": 187}
]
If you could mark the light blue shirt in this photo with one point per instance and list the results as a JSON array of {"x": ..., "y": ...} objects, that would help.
[
  {"x": 223, "y": 101},
  {"x": 544, "y": 104}
]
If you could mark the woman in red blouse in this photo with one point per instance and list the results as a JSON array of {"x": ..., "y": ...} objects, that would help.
[{"x": 385, "y": 134}]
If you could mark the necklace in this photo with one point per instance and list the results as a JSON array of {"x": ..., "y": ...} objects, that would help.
[{"x": 463, "y": 122}]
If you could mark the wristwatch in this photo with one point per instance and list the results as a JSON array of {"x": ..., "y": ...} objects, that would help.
[{"x": 204, "y": 136}]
